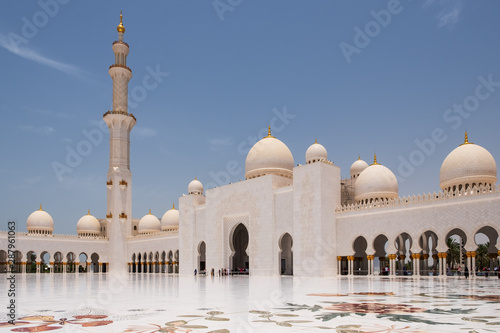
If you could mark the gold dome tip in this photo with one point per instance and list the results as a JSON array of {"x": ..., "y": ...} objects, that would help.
[
  {"x": 88, "y": 212},
  {"x": 466, "y": 140},
  {"x": 375, "y": 159},
  {"x": 40, "y": 207},
  {"x": 269, "y": 132},
  {"x": 149, "y": 211},
  {"x": 173, "y": 205},
  {"x": 316, "y": 140},
  {"x": 120, "y": 27},
  {"x": 359, "y": 157}
]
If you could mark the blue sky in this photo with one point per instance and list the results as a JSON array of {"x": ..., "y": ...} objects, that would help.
[{"x": 362, "y": 77}]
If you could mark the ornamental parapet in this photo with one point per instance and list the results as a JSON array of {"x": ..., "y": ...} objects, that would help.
[
  {"x": 123, "y": 113},
  {"x": 120, "y": 42},
  {"x": 52, "y": 236},
  {"x": 120, "y": 66},
  {"x": 422, "y": 198}
]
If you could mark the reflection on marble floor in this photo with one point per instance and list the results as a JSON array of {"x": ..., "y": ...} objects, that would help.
[{"x": 135, "y": 303}]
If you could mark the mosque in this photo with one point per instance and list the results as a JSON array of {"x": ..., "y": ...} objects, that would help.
[{"x": 284, "y": 219}]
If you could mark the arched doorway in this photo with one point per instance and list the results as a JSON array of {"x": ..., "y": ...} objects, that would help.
[
  {"x": 31, "y": 262},
  {"x": 380, "y": 245},
  {"x": 239, "y": 243},
  {"x": 176, "y": 266},
  {"x": 428, "y": 242},
  {"x": 202, "y": 257},
  {"x": 70, "y": 262},
  {"x": 163, "y": 260},
  {"x": 45, "y": 262},
  {"x": 486, "y": 252},
  {"x": 360, "y": 259},
  {"x": 3, "y": 261},
  {"x": 58, "y": 265},
  {"x": 82, "y": 268},
  {"x": 170, "y": 262},
  {"x": 95, "y": 262},
  {"x": 456, "y": 240},
  {"x": 286, "y": 254},
  {"x": 403, "y": 244}
]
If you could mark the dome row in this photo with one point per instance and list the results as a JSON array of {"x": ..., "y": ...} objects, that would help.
[
  {"x": 40, "y": 222},
  {"x": 150, "y": 224},
  {"x": 467, "y": 165}
]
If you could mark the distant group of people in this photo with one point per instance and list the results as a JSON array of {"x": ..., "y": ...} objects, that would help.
[
  {"x": 486, "y": 272},
  {"x": 222, "y": 271}
]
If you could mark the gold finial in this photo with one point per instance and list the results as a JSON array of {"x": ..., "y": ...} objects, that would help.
[
  {"x": 375, "y": 159},
  {"x": 40, "y": 207},
  {"x": 149, "y": 211},
  {"x": 466, "y": 140},
  {"x": 120, "y": 27},
  {"x": 195, "y": 178},
  {"x": 88, "y": 212},
  {"x": 173, "y": 205},
  {"x": 269, "y": 132},
  {"x": 316, "y": 141},
  {"x": 359, "y": 157}
]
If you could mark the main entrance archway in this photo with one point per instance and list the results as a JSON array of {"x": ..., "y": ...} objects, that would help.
[
  {"x": 286, "y": 255},
  {"x": 239, "y": 244}
]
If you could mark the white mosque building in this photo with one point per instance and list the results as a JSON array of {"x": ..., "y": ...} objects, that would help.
[{"x": 299, "y": 220}]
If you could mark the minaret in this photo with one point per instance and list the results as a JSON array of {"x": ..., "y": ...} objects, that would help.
[{"x": 119, "y": 182}]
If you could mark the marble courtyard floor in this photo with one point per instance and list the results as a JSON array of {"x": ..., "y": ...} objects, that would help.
[{"x": 166, "y": 303}]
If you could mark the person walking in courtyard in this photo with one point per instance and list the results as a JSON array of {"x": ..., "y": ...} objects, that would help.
[
  {"x": 195, "y": 272},
  {"x": 466, "y": 273}
]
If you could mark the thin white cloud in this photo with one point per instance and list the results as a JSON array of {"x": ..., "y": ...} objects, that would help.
[
  {"x": 10, "y": 45},
  {"x": 144, "y": 132},
  {"x": 49, "y": 113},
  {"x": 25, "y": 183},
  {"x": 45, "y": 130},
  {"x": 220, "y": 144},
  {"x": 450, "y": 10}
]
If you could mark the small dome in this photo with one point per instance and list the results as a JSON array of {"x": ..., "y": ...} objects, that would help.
[
  {"x": 40, "y": 222},
  {"x": 357, "y": 167},
  {"x": 376, "y": 182},
  {"x": 149, "y": 224},
  {"x": 195, "y": 187},
  {"x": 88, "y": 225},
  {"x": 315, "y": 153},
  {"x": 170, "y": 219},
  {"x": 467, "y": 165},
  {"x": 269, "y": 156}
]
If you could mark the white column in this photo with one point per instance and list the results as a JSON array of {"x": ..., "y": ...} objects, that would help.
[{"x": 473, "y": 266}]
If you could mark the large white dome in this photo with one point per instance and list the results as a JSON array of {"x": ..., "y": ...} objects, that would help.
[
  {"x": 40, "y": 222},
  {"x": 88, "y": 225},
  {"x": 357, "y": 167},
  {"x": 269, "y": 156},
  {"x": 149, "y": 224},
  {"x": 170, "y": 219},
  {"x": 315, "y": 153},
  {"x": 467, "y": 165},
  {"x": 376, "y": 182},
  {"x": 195, "y": 187}
]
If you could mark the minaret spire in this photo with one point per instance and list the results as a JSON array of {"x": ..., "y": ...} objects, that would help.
[{"x": 120, "y": 123}]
